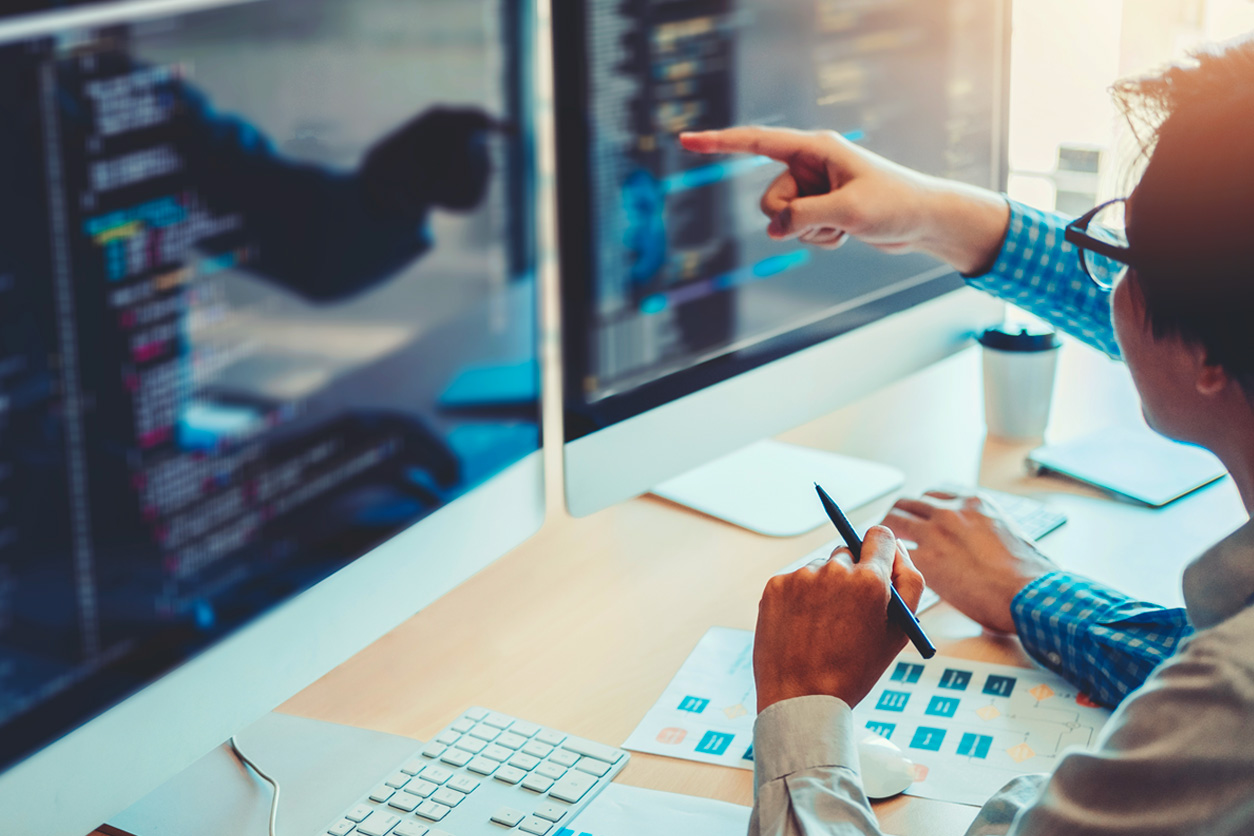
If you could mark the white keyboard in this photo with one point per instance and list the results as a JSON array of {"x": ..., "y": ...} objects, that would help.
[
  {"x": 486, "y": 774},
  {"x": 1034, "y": 518}
]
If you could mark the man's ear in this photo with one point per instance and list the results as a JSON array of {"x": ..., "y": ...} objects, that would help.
[{"x": 1212, "y": 378}]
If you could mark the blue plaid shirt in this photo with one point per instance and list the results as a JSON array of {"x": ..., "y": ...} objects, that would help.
[
  {"x": 1099, "y": 639},
  {"x": 1037, "y": 270}
]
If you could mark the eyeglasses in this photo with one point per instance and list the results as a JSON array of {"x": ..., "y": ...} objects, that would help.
[{"x": 1103, "y": 241}]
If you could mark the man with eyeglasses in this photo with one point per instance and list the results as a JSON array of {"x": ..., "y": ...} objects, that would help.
[{"x": 1172, "y": 294}]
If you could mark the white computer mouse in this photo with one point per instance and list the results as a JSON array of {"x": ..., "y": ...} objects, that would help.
[{"x": 886, "y": 771}]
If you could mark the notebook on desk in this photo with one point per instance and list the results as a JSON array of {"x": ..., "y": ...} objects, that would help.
[{"x": 1132, "y": 462}]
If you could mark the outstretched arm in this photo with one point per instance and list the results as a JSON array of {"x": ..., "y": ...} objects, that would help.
[{"x": 833, "y": 189}]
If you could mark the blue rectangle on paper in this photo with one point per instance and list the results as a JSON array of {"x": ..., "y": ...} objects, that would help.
[
  {"x": 927, "y": 738},
  {"x": 884, "y": 730},
  {"x": 893, "y": 701},
  {"x": 694, "y": 704},
  {"x": 975, "y": 745},
  {"x": 715, "y": 743},
  {"x": 942, "y": 707},
  {"x": 907, "y": 672},
  {"x": 955, "y": 680},
  {"x": 999, "y": 686}
]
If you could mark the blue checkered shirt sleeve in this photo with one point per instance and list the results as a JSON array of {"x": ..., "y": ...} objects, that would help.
[
  {"x": 1100, "y": 640},
  {"x": 1037, "y": 270}
]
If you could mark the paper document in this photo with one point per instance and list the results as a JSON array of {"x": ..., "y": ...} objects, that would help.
[
  {"x": 630, "y": 811},
  {"x": 969, "y": 727}
]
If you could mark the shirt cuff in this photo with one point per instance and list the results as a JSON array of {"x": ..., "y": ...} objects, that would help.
[{"x": 803, "y": 733}]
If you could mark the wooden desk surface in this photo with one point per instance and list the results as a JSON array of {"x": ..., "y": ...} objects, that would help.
[{"x": 583, "y": 626}]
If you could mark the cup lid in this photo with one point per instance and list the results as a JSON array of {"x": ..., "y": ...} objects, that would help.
[{"x": 1019, "y": 338}]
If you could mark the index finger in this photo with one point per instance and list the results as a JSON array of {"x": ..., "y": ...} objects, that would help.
[{"x": 780, "y": 144}]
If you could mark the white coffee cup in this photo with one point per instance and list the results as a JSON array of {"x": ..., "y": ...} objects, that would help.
[{"x": 1020, "y": 363}]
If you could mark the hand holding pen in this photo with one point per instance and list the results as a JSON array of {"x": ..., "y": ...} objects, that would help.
[
  {"x": 826, "y": 629},
  {"x": 897, "y": 609}
]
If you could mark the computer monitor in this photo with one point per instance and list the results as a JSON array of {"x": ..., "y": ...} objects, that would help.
[
  {"x": 267, "y": 361},
  {"x": 687, "y": 332}
]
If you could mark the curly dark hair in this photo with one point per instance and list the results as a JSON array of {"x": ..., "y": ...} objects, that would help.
[{"x": 1192, "y": 214}]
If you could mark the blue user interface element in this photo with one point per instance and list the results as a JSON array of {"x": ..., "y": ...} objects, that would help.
[
  {"x": 975, "y": 745},
  {"x": 942, "y": 707},
  {"x": 927, "y": 738},
  {"x": 884, "y": 730},
  {"x": 955, "y": 680},
  {"x": 694, "y": 704},
  {"x": 907, "y": 672},
  {"x": 715, "y": 743},
  {"x": 893, "y": 701},
  {"x": 999, "y": 686}
]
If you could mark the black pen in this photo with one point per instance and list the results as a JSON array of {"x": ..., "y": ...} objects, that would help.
[{"x": 897, "y": 608}]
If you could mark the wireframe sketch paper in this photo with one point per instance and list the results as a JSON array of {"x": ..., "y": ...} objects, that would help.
[{"x": 969, "y": 727}]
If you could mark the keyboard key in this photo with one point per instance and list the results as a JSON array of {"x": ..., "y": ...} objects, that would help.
[
  {"x": 463, "y": 725},
  {"x": 525, "y": 729},
  {"x": 499, "y": 721},
  {"x": 509, "y": 774},
  {"x": 405, "y": 802},
  {"x": 537, "y": 750},
  {"x": 511, "y": 741},
  {"x": 382, "y": 794},
  {"x": 593, "y": 767},
  {"x": 420, "y": 788},
  {"x": 550, "y": 812},
  {"x": 508, "y": 816},
  {"x": 447, "y": 797},
  {"x": 563, "y": 758},
  {"x": 436, "y": 774},
  {"x": 433, "y": 750},
  {"x": 456, "y": 757},
  {"x": 593, "y": 750},
  {"x": 537, "y": 783},
  {"x": 524, "y": 762},
  {"x": 471, "y": 744},
  {"x": 551, "y": 738},
  {"x": 573, "y": 786},
  {"x": 476, "y": 714},
  {"x": 485, "y": 732},
  {"x": 414, "y": 766},
  {"x": 378, "y": 823},
  {"x": 410, "y": 828},
  {"x": 432, "y": 810},
  {"x": 550, "y": 770},
  {"x": 483, "y": 766},
  {"x": 343, "y": 827},
  {"x": 538, "y": 826},
  {"x": 396, "y": 780},
  {"x": 358, "y": 813},
  {"x": 464, "y": 784},
  {"x": 497, "y": 753},
  {"x": 447, "y": 737}
]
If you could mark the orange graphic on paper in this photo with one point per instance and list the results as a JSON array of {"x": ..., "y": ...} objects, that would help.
[
  {"x": 919, "y": 771},
  {"x": 735, "y": 711},
  {"x": 1020, "y": 753},
  {"x": 1042, "y": 692},
  {"x": 1087, "y": 701},
  {"x": 988, "y": 712},
  {"x": 671, "y": 735}
]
